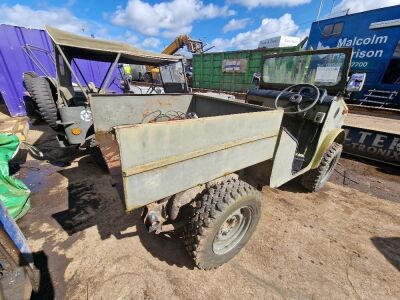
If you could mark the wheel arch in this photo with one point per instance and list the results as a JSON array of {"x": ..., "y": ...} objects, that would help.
[{"x": 335, "y": 135}]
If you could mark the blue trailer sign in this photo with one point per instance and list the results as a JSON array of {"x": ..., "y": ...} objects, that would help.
[
  {"x": 372, "y": 144},
  {"x": 375, "y": 38}
]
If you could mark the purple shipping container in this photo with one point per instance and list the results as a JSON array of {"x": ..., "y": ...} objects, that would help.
[{"x": 14, "y": 61}]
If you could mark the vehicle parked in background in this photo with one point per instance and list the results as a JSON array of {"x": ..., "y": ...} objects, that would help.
[
  {"x": 30, "y": 50},
  {"x": 376, "y": 50},
  {"x": 197, "y": 163},
  {"x": 181, "y": 41},
  {"x": 63, "y": 101}
]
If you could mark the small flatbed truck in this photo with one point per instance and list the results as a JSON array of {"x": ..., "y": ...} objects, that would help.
[{"x": 198, "y": 163}]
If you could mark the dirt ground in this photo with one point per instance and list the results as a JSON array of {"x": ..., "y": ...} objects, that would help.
[{"x": 342, "y": 242}]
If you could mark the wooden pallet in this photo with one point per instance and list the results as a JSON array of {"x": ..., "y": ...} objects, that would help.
[{"x": 17, "y": 125}]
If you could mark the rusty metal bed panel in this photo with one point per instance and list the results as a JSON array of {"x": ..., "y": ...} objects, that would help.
[{"x": 112, "y": 110}]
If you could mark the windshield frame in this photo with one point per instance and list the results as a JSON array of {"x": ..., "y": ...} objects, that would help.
[{"x": 340, "y": 86}]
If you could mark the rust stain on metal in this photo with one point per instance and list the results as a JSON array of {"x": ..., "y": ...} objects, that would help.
[{"x": 110, "y": 150}]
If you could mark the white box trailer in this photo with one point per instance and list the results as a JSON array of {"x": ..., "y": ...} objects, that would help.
[{"x": 279, "y": 41}]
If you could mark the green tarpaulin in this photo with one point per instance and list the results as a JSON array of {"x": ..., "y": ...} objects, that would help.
[{"x": 13, "y": 193}]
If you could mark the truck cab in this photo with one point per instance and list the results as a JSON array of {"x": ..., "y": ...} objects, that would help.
[{"x": 309, "y": 87}]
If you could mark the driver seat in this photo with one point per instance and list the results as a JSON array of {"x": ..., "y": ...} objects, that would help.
[
  {"x": 297, "y": 129},
  {"x": 262, "y": 97}
]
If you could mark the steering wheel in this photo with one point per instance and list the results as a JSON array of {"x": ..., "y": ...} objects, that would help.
[{"x": 297, "y": 98}]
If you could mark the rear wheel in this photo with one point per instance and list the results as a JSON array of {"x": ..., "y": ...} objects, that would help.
[
  {"x": 315, "y": 179},
  {"x": 223, "y": 220},
  {"x": 43, "y": 97}
]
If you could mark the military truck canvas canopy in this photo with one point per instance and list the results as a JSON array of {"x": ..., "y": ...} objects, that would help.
[{"x": 78, "y": 46}]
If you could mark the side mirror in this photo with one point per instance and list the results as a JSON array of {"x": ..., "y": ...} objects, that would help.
[
  {"x": 356, "y": 82},
  {"x": 256, "y": 79}
]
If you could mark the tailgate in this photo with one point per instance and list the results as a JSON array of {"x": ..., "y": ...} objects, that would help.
[{"x": 162, "y": 159}]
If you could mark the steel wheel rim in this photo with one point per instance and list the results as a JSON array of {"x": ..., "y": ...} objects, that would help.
[{"x": 232, "y": 230}]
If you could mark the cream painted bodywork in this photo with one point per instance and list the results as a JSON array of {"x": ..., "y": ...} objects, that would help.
[{"x": 331, "y": 131}]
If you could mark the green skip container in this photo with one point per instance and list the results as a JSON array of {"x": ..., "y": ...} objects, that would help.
[{"x": 231, "y": 71}]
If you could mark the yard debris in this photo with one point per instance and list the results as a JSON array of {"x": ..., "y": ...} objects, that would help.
[{"x": 13, "y": 192}]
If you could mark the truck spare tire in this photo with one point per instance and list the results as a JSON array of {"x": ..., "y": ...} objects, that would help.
[
  {"x": 27, "y": 80},
  {"x": 43, "y": 98}
]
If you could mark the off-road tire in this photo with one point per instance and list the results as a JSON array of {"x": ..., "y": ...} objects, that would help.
[
  {"x": 315, "y": 179},
  {"x": 27, "y": 80},
  {"x": 43, "y": 97},
  {"x": 31, "y": 107},
  {"x": 210, "y": 210}
]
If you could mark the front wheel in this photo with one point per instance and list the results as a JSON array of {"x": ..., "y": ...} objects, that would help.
[
  {"x": 223, "y": 220},
  {"x": 315, "y": 179}
]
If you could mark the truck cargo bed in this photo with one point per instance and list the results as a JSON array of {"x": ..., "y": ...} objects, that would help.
[{"x": 158, "y": 159}]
